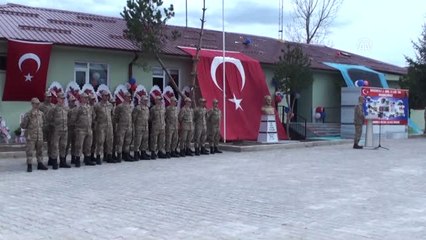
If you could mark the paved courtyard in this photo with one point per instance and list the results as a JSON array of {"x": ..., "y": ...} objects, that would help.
[{"x": 328, "y": 192}]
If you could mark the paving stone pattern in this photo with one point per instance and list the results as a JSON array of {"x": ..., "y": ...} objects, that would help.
[{"x": 318, "y": 193}]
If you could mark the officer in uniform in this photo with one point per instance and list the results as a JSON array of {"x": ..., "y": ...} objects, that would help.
[
  {"x": 123, "y": 119},
  {"x": 58, "y": 117},
  {"x": 140, "y": 118},
  {"x": 186, "y": 116},
  {"x": 83, "y": 131},
  {"x": 172, "y": 125},
  {"x": 104, "y": 130},
  {"x": 32, "y": 123},
  {"x": 358, "y": 121},
  {"x": 72, "y": 114},
  {"x": 213, "y": 123},
  {"x": 158, "y": 125},
  {"x": 92, "y": 102},
  {"x": 200, "y": 115},
  {"x": 47, "y": 128}
]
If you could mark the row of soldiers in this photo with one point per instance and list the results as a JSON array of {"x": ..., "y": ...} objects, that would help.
[{"x": 94, "y": 129}]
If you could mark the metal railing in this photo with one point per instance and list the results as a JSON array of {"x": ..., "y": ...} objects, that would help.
[{"x": 297, "y": 124}]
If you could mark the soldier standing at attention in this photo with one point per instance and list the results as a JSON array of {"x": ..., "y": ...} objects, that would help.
[
  {"x": 47, "y": 128},
  {"x": 172, "y": 125},
  {"x": 92, "y": 102},
  {"x": 32, "y": 123},
  {"x": 200, "y": 115},
  {"x": 140, "y": 117},
  {"x": 58, "y": 117},
  {"x": 123, "y": 119},
  {"x": 83, "y": 131},
  {"x": 158, "y": 125},
  {"x": 186, "y": 116},
  {"x": 213, "y": 122},
  {"x": 72, "y": 114},
  {"x": 112, "y": 102},
  {"x": 104, "y": 131},
  {"x": 358, "y": 121}
]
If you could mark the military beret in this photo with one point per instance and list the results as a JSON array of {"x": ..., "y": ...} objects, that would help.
[
  {"x": 61, "y": 95},
  {"x": 188, "y": 99},
  {"x": 47, "y": 94},
  {"x": 84, "y": 95},
  {"x": 35, "y": 100},
  {"x": 173, "y": 99}
]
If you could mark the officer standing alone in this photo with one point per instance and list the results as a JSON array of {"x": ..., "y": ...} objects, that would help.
[{"x": 358, "y": 121}]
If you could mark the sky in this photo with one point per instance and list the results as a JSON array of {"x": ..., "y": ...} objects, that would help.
[{"x": 379, "y": 29}]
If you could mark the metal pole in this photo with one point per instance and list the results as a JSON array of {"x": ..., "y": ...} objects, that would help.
[
  {"x": 223, "y": 72},
  {"x": 186, "y": 13}
]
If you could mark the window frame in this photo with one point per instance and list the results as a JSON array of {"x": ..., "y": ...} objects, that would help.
[
  {"x": 87, "y": 70},
  {"x": 5, "y": 58},
  {"x": 164, "y": 76}
]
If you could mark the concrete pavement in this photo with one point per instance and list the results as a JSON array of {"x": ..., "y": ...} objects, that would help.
[{"x": 324, "y": 192}]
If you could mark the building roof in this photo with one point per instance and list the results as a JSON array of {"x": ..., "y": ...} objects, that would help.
[{"x": 88, "y": 30}]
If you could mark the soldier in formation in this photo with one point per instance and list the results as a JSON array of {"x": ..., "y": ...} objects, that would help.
[
  {"x": 200, "y": 136},
  {"x": 104, "y": 130},
  {"x": 186, "y": 116},
  {"x": 45, "y": 107},
  {"x": 140, "y": 118},
  {"x": 83, "y": 131},
  {"x": 213, "y": 121},
  {"x": 158, "y": 129},
  {"x": 123, "y": 121}
]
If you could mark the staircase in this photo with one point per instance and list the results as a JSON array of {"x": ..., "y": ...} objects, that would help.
[{"x": 322, "y": 130}]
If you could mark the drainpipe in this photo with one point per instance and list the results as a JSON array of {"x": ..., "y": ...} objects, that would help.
[{"x": 131, "y": 65}]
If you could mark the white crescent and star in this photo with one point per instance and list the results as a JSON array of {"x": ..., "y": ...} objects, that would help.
[
  {"x": 215, "y": 64},
  {"x": 29, "y": 56}
]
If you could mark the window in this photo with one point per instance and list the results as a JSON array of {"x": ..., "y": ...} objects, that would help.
[
  {"x": 3, "y": 63},
  {"x": 93, "y": 73},
  {"x": 160, "y": 78}
]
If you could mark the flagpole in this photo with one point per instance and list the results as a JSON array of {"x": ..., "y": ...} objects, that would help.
[{"x": 223, "y": 72}]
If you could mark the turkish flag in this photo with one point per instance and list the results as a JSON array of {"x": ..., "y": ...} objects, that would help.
[
  {"x": 26, "y": 71},
  {"x": 245, "y": 88}
]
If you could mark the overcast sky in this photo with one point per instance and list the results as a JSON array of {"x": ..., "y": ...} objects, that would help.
[{"x": 379, "y": 29}]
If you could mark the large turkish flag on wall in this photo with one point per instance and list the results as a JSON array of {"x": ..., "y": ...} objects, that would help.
[
  {"x": 245, "y": 88},
  {"x": 26, "y": 71}
]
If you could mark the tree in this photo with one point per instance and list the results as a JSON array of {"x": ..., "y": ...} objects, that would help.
[
  {"x": 146, "y": 28},
  {"x": 311, "y": 19},
  {"x": 292, "y": 74},
  {"x": 415, "y": 80}
]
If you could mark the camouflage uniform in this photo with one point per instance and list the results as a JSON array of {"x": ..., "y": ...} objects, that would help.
[
  {"x": 72, "y": 115},
  {"x": 45, "y": 107},
  {"x": 213, "y": 123},
  {"x": 58, "y": 117},
  {"x": 32, "y": 123},
  {"x": 172, "y": 125},
  {"x": 358, "y": 121},
  {"x": 104, "y": 131},
  {"x": 92, "y": 103},
  {"x": 186, "y": 116},
  {"x": 83, "y": 131},
  {"x": 123, "y": 135},
  {"x": 158, "y": 124},
  {"x": 200, "y": 125},
  {"x": 140, "y": 117}
]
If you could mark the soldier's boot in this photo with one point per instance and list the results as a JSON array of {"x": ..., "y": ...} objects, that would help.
[
  {"x": 72, "y": 159},
  {"x": 77, "y": 162},
  {"x": 105, "y": 157},
  {"x": 41, "y": 166},
  {"x": 356, "y": 146},
  {"x": 29, "y": 168},
  {"x": 197, "y": 151},
  {"x": 63, "y": 163},
  {"x": 109, "y": 158},
  {"x": 126, "y": 157},
  {"x": 145, "y": 156},
  {"x": 118, "y": 160},
  {"x": 98, "y": 160},
  {"x": 50, "y": 162},
  {"x": 182, "y": 153},
  {"x": 204, "y": 151},
  {"x": 191, "y": 150},
  {"x": 175, "y": 154},
  {"x": 188, "y": 152},
  {"x": 92, "y": 157},
  {"x": 153, "y": 155},
  {"x": 168, "y": 155},
  {"x": 161, "y": 154},
  {"x": 130, "y": 157},
  {"x": 212, "y": 150},
  {"x": 114, "y": 156},
  {"x": 137, "y": 155},
  {"x": 216, "y": 150},
  {"x": 55, "y": 163},
  {"x": 88, "y": 162}
]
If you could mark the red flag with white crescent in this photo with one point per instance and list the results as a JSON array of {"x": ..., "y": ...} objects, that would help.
[
  {"x": 26, "y": 71},
  {"x": 244, "y": 91}
]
